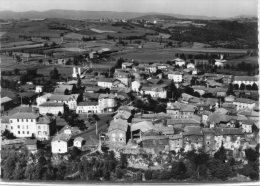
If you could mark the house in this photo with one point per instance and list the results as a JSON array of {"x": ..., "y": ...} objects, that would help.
[
  {"x": 176, "y": 142},
  {"x": 105, "y": 82},
  {"x": 135, "y": 86},
  {"x": 204, "y": 117},
  {"x": 123, "y": 76},
  {"x": 180, "y": 110},
  {"x": 242, "y": 103},
  {"x": 51, "y": 108},
  {"x": 39, "y": 89},
  {"x": 229, "y": 137},
  {"x": 192, "y": 138},
  {"x": 6, "y": 103},
  {"x": 44, "y": 128},
  {"x": 190, "y": 65},
  {"x": 151, "y": 68},
  {"x": 78, "y": 142},
  {"x": 139, "y": 128},
  {"x": 23, "y": 124},
  {"x": 247, "y": 80},
  {"x": 155, "y": 91},
  {"x": 127, "y": 65},
  {"x": 179, "y": 62},
  {"x": 70, "y": 100},
  {"x": 155, "y": 143},
  {"x": 87, "y": 107},
  {"x": 246, "y": 126},
  {"x": 118, "y": 84},
  {"x": 63, "y": 89},
  {"x": 229, "y": 107},
  {"x": 201, "y": 61},
  {"x": 220, "y": 62},
  {"x": 43, "y": 99},
  {"x": 91, "y": 142},
  {"x": 107, "y": 103},
  {"x": 125, "y": 115},
  {"x": 118, "y": 132},
  {"x": 62, "y": 140},
  {"x": 5, "y": 125},
  {"x": 209, "y": 140},
  {"x": 176, "y": 76}
]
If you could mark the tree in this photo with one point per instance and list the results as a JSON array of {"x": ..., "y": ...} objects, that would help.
[
  {"x": 16, "y": 71},
  {"x": 251, "y": 154},
  {"x": 54, "y": 74},
  {"x": 236, "y": 86},
  {"x": 8, "y": 135},
  {"x": 254, "y": 86},
  {"x": 18, "y": 172},
  {"x": 230, "y": 90},
  {"x": 148, "y": 174},
  {"x": 66, "y": 92},
  {"x": 221, "y": 154},
  {"x": 242, "y": 86},
  {"x": 178, "y": 170},
  {"x": 248, "y": 87},
  {"x": 9, "y": 167},
  {"x": 119, "y": 63},
  {"x": 123, "y": 161}
]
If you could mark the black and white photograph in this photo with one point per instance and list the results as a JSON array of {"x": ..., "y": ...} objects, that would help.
[{"x": 113, "y": 92}]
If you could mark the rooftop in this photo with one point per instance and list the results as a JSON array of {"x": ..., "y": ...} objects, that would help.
[
  {"x": 118, "y": 124},
  {"x": 24, "y": 115}
]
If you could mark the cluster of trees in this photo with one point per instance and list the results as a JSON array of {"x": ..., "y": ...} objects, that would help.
[
  {"x": 9, "y": 84},
  {"x": 29, "y": 76},
  {"x": 150, "y": 104},
  {"x": 89, "y": 38},
  {"x": 245, "y": 87}
]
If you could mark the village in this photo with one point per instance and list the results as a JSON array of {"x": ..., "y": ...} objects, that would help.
[{"x": 150, "y": 117}]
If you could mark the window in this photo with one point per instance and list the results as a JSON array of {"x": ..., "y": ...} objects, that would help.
[
  {"x": 18, "y": 126},
  {"x": 11, "y": 121},
  {"x": 18, "y": 132},
  {"x": 39, "y": 133},
  {"x": 11, "y": 127},
  {"x": 17, "y": 120},
  {"x": 39, "y": 127},
  {"x": 27, "y": 127},
  {"x": 26, "y": 120},
  {"x": 27, "y": 132},
  {"x": 23, "y": 132},
  {"x": 22, "y": 120}
]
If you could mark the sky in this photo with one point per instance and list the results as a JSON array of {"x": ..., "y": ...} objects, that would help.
[{"x": 218, "y": 8}]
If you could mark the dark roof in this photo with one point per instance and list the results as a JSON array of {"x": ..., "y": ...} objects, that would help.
[
  {"x": 245, "y": 100},
  {"x": 87, "y": 103},
  {"x": 192, "y": 130},
  {"x": 24, "y": 115},
  {"x": 51, "y": 104}
]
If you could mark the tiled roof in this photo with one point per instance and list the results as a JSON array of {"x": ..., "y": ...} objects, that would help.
[
  {"x": 244, "y": 100},
  {"x": 160, "y": 137},
  {"x": 228, "y": 131},
  {"x": 143, "y": 126},
  {"x": 106, "y": 96},
  {"x": 87, "y": 103},
  {"x": 43, "y": 120},
  {"x": 182, "y": 121},
  {"x": 5, "y": 100},
  {"x": 192, "y": 130},
  {"x": 118, "y": 124},
  {"x": 4, "y": 119},
  {"x": 245, "y": 78},
  {"x": 109, "y": 80},
  {"x": 63, "y": 97},
  {"x": 24, "y": 115},
  {"x": 51, "y": 104},
  {"x": 175, "y": 136}
]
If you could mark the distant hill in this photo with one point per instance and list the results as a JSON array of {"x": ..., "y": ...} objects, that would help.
[
  {"x": 68, "y": 14},
  {"x": 82, "y": 14}
]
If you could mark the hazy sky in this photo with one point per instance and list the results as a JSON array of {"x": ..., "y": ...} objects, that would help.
[{"x": 219, "y": 8}]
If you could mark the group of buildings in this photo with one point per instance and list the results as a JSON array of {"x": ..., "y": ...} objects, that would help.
[{"x": 189, "y": 122}]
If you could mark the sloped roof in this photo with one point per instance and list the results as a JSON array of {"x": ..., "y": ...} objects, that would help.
[
  {"x": 118, "y": 124},
  {"x": 4, "y": 119},
  {"x": 51, "y": 104},
  {"x": 192, "y": 130},
  {"x": 63, "y": 97},
  {"x": 43, "y": 120},
  {"x": 143, "y": 126},
  {"x": 244, "y": 100},
  {"x": 87, "y": 103},
  {"x": 5, "y": 99},
  {"x": 24, "y": 115},
  {"x": 106, "y": 96}
]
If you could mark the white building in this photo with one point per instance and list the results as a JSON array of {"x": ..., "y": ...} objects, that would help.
[
  {"x": 78, "y": 142},
  {"x": 136, "y": 86},
  {"x": 246, "y": 126},
  {"x": 190, "y": 65},
  {"x": 105, "y": 82},
  {"x": 247, "y": 80},
  {"x": 42, "y": 99},
  {"x": 43, "y": 128},
  {"x": 175, "y": 76},
  {"x": 59, "y": 145},
  {"x": 51, "y": 108},
  {"x": 107, "y": 102},
  {"x": 242, "y": 103},
  {"x": 87, "y": 107},
  {"x": 39, "y": 89},
  {"x": 179, "y": 62},
  {"x": 75, "y": 72},
  {"x": 158, "y": 91},
  {"x": 70, "y": 100},
  {"x": 23, "y": 124}
]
